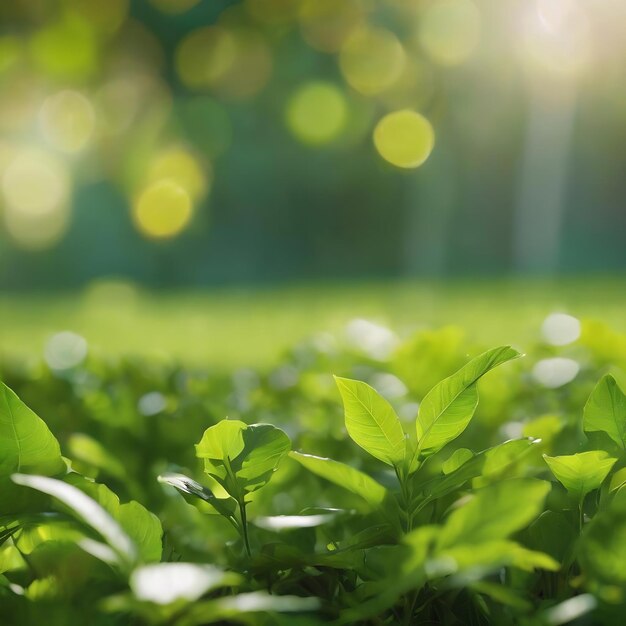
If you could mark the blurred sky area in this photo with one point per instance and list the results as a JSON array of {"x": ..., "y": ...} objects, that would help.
[{"x": 216, "y": 142}]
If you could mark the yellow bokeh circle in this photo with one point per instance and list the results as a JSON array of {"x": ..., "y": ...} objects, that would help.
[
  {"x": 35, "y": 183},
  {"x": 317, "y": 113},
  {"x": 449, "y": 31},
  {"x": 180, "y": 166},
  {"x": 404, "y": 138},
  {"x": 162, "y": 210},
  {"x": 371, "y": 60},
  {"x": 67, "y": 120},
  {"x": 35, "y": 194}
]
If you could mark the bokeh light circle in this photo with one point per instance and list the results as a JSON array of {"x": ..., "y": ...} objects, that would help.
[
  {"x": 204, "y": 56},
  {"x": 180, "y": 166},
  {"x": 449, "y": 31},
  {"x": 371, "y": 60},
  {"x": 67, "y": 120},
  {"x": 65, "y": 350},
  {"x": 35, "y": 183},
  {"x": 66, "y": 49},
  {"x": 404, "y": 138},
  {"x": 162, "y": 210},
  {"x": 317, "y": 113}
]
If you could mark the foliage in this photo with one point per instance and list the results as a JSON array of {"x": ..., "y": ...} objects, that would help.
[{"x": 453, "y": 512}]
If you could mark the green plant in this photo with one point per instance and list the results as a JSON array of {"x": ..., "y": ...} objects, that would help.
[{"x": 411, "y": 525}]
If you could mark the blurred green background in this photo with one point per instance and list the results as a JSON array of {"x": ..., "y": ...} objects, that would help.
[{"x": 184, "y": 144}]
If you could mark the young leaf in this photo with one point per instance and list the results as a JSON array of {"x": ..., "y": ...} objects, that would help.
[
  {"x": 242, "y": 458},
  {"x": 495, "y": 512},
  {"x": 606, "y": 411},
  {"x": 456, "y": 459},
  {"x": 186, "y": 485},
  {"x": 26, "y": 443},
  {"x": 447, "y": 408},
  {"x": 86, "y": 509},
  {"x": 371, "y": 421},
  {"x": 224, "y": 439},
  {"x": 345, "y": 476},
  {"x": 581, "y": 473},
  {"x": 264, "y": 447}
]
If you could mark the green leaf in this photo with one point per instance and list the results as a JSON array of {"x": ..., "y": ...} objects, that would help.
[
  {"x": 144, "y": 528},
  {"x": 483, "y": 468},
  {"x": 447, "y": 409},
  {"x": 242, "y": 458},
  {"x": 26, "y": 443},
  {"x": 186, "y": 485},
  {"x": 264, "y": 447},
  {"x": 222, "y": 440},
  {"x": 493, "y": 555},
  {"x": 495, "y": 512},
  {"x": 606, "y": 411},
  {"x": 456, "y": 459},
  {"x": 602, "y": 549},
  {"x": 345, "y": 476},
  {"x": 552, "y": 532},
  {"x": 87, "y": 510},
  {"x": 371, "y": 421},
  {"x": 581, "y": 473},
  {"x": 618, "y": 480}
]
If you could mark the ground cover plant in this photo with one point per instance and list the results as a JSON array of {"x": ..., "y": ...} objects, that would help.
[{"x": 163, "y": 494}]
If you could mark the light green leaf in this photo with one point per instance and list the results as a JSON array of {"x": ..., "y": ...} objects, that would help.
[
  {"x": 492, "y": 555},
  {"x": 483, "y": 468},
  {"x": 494, "y": 512},
  {"x": 26, "y": 443},
  {"x": 242, "y": 458},
  {"x": 456, "y": 459},
  {"x": 581, "y": 473},
  {"x": 371, "y": 421},
  {"x": 264, "y": 447},
  {"x": 606, "y": 411},
  {"x": 448, "y": 408},
  {"x": 144, "y": 528},
  {"x": 186, "y": 485},
  {"x": 222, "y": 440},
  {"x": 86, "y": 510},
  {"x": 345, "y": 476},
  {"x": 618, "y": 480},
  {"x": 88, "y": 450}
]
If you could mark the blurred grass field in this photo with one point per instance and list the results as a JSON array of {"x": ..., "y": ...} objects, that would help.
[{"x": 229, "y": 328}]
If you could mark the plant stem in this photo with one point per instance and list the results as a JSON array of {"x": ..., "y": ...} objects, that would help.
[
  {"x": 581, "y": 515},
  {"x": 244, "y": 526}
]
